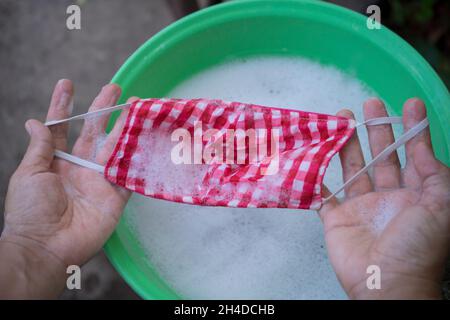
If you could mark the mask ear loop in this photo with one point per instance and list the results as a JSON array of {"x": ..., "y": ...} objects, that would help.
[
  {"x": 77, "y": 160},
  {"x": 95, "y": 113},
  {"x": 408, "y": 135},
  {"x": 381, "y": 120}
]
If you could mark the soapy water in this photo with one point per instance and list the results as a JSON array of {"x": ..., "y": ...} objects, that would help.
[{"x": 228, "y": 253}]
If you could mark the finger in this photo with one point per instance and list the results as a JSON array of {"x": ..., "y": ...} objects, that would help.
[
  {"x": 60, "y": 107},
  {"x": 107, "y": 97},
  {"x": 352, "y": 160},
  {"x": 95, "y": 127},
  {"x": 386, "y": 173},
  {"x": 39, "y": 155},
  {"x": 114, "y": 135},
  {"x": 329, "y": 204},
  {"x": 413, "y": 112},
  {"x": 424, "y": 161}
]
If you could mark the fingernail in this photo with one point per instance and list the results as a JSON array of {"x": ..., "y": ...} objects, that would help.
[
  {"x": 413, "y": 108},
  {"x": 375, "y": 102},
  {"x": 65, "y": 84},
  {"x": 107, "y": 86},
  {"x": 28, "y": 127},
  {"x": 65, "y": 100},
  {"x": 347, "y": 113},
  {"x": 114, "y": 87}
]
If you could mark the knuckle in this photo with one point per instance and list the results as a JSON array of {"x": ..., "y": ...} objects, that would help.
[
  {"x": 58, "y": 131},
  {"x": 353, "y": 164}
]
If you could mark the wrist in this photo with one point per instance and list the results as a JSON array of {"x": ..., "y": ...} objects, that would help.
[
  {"x": 28, "y": 270},
  {"x": 399, "y": 288}
]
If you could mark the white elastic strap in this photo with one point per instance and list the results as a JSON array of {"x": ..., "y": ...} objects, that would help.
[
  {"x": 381, "y": 120},
  {"x": 89, "y": 114},
  {"x": 370, "y": 122},
  {"x": 74, "y": 159},
  {"x": 408, "y": 135},
  {"x": 79, "y": 161}
]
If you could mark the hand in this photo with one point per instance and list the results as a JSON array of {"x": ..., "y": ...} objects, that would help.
[
  {"x": 58, "y": 210},
  {"x": 399, "y": 221}
]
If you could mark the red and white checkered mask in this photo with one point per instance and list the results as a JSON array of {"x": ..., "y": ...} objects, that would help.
[{"x": 217, "y": 153}]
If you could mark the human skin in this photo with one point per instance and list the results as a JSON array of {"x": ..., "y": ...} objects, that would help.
[
  {"x": 59, "y": 214},
  {"x": 411, "y": 249}
]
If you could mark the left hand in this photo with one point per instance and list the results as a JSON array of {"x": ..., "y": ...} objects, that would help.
[{"x": 53, "y": 206}]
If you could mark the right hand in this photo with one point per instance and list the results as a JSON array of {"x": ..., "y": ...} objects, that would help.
[{"x": 397, "y": 221}]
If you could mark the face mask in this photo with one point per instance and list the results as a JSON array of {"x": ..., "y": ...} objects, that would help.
[{"x": 217, "y": 153}]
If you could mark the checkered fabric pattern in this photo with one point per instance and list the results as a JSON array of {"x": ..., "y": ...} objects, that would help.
[{"x": 307, "y": 142}]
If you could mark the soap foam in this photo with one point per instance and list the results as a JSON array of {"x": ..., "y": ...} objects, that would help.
[
  {"x": 226, "y": 253},
  {"x": 153, "y": 158},
  {"x": 98, "y": 144},
  {"x": 385, "y": 209}
]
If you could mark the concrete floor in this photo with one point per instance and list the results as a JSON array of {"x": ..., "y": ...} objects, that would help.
[{"x": 36, "y": 49}]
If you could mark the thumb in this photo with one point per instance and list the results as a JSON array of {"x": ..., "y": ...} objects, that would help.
[
  {"x": 39, "y": 155},
  {"x": 424, "y": 161}
]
